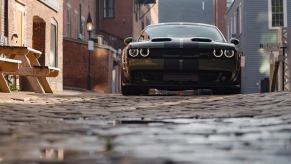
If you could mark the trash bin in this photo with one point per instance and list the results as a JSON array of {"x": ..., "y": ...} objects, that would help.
[{"x": 264, "y": 85}]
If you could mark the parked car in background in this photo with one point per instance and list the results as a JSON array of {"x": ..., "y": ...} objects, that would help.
[{"x": 180, "y": 56}]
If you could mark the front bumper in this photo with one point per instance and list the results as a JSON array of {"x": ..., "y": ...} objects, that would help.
[{"x": 191, "y": 73}]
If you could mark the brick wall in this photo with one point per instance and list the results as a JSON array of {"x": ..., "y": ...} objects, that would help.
[
  {"x": 220, "y": 9},
  {"x": 121, "y": 25},
  {"x": 76, "y": 66},
  {"x": 31, "y": 9},
  {"x": 73, "y": 9},
  {"x": 1, "y": 17},
  {"x": 146, "y": 15}
]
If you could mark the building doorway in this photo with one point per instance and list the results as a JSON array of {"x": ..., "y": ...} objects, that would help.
[
  {"x": 38, "y": 37},
  {"x": 38, "y": 43}
]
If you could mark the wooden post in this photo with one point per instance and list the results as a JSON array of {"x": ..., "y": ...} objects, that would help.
[
  {"x": 289, "y": 57},
  {"x": 280, "y": 74},
  {"x": 274, "y": 68}
]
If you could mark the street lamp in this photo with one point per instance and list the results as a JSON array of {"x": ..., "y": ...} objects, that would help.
[{"x": 89, "y": 26}]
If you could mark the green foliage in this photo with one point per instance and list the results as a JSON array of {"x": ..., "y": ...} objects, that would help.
[{"x": 12, "y": 85}]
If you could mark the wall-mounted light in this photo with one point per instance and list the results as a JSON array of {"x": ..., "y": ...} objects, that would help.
[{"x": 89, "y": 23}]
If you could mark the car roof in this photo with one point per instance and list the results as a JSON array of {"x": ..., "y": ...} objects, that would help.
[{"x": 181, "y": 23}]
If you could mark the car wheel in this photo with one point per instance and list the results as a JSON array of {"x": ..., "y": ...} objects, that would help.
[{"x": 131, "y": 91}]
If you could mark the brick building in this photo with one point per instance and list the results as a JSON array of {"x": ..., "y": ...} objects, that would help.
[
  {"x": 76, "y": 54},
  {"x": 37, "y": 24},
  {"x": 1, "y": 17},
  {"x": 220, "y": 7},
  {"x": 113, "y": 20},
  {"x": 121, "y": 19}
]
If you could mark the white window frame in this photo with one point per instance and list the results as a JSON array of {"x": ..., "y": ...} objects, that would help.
[
  {"x": 77, "y": 25},
  {"x": 231, "y": 27},
  {"x": 235, "y": 23},
  {"x": 240, "y": 18},
  {"x": 69, "y": 22},
  {"x": 284, "y": 14},
  {"x": 54, "y": 4},
  {"x": 228, "y": 31},
  {"x": 53, "y": 60}
]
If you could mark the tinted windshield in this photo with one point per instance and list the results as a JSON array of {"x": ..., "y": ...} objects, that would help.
[{"x": 182, "y": 31}]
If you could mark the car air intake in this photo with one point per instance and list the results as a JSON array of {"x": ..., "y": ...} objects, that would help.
[
  {"x": 201, "y": 40},
  {"x": 161, "y": 40}
]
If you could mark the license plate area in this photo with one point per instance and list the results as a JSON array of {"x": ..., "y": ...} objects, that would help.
[{"x": 180, "y": 77}]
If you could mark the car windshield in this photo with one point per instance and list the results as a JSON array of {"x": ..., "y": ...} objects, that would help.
[{"x": 182, "y": 31}]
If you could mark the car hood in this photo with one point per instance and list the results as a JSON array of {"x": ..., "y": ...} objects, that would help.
[{"x": 182, "y": 43}]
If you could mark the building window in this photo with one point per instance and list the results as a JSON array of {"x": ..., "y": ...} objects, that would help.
[
  {"x": 229, "y": 3},
  {"x": 51, "y": 3},
  {"x": 109, "y": 8},
  {"x": 53, "y": 45},
  {"x": 83, "y": 27},
  {"x": 240, "y": 18},
  {"x": 80, "y": 19},
  {"x": 6, "y": 18},
  {"x": 277, "y": 13},
  {"x": 228, "y": 31},
  {"x": 68, "y": 23},
  {"x": 231, "y": 27},
  {"x": 77, "y": 25},
  {"x": 235, "y": 23}
]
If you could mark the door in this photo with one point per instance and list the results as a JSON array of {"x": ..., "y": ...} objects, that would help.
[{"x": 18, "y": 36}]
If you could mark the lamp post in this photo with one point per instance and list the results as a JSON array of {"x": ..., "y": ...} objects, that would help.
[{"x": 89, "y": 26}]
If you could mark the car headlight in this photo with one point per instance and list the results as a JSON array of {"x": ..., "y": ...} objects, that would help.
[
  {"x": 133, "y": 52},
  {"x": 218, "y": 53},
  {"x": 144, "y": 52},
  {"x": 229, "y": 53}
]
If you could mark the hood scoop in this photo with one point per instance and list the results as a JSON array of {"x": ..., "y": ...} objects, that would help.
[
  {"x": 161, "y": 40},
  {"x": 198, "y": 39}
]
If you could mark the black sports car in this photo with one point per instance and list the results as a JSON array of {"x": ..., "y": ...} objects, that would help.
[{"x": 180, "y": 56}]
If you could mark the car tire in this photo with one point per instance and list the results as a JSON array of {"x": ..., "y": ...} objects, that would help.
[
  {"x": 132, "y": 91},
  {"x": 226, "y": 91}
]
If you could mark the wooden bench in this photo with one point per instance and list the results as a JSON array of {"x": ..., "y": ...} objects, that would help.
[
  {"x": 30, "y": 67},
  {"x": 7, "y": 65}
]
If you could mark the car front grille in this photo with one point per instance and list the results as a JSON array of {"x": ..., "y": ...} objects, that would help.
[
  {"x": 202, "y": 76},
  {"x": 175, "y": 53}
]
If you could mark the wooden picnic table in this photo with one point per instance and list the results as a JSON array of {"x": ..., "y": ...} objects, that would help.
[
  {"x": 7, "y": 65},
  {"x": 29, "y": 67}
]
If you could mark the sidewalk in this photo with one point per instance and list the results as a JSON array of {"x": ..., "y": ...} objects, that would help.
[{"x": 26, "y": 96}]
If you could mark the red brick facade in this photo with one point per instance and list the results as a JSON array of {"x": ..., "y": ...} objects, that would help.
[
  {"x": 76, "y": 66},
  {"x": 23, "y": 18},
  {"x": 76, "y": 50},
  {"x": 108, "y": 34},
  {"x": 1, "y": 16},
  {"x": 129, "y": 20},
  {"x": 219, "y": 11}
]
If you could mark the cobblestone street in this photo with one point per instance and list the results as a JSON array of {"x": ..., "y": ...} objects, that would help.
[{"x": 90, "y": 128}]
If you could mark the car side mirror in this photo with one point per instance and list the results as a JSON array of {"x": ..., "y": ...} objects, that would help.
[
  {"x": 128, "y": 40},
  {"x": 234, "y": 41}
]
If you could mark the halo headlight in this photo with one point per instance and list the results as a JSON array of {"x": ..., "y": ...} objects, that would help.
[
  {"x": 144, "y": 52},
  {"x": 229, "y": 53},
  {"x": 133, "y": 52},
  {"x": 218, "y": 53}
]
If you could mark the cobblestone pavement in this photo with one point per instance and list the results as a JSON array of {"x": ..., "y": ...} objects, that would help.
[{"x": 91, "y": 128}]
